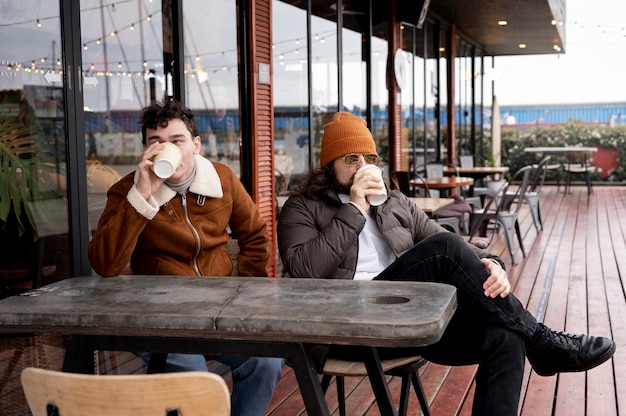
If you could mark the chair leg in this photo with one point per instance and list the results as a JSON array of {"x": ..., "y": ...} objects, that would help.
[
  {"x": 519, "y": 238},
  {"x": 421, "y": 396},
  {"x": 157, "y": 363},
  {"x": 533, "y": 203},
  {"x": 404, "y": 395},
  {"x": 409, "y": 374},
  {"x": 509, "y": 224},
  {"x": 326, "y": 382},
  {"x": 341, "y": 395}
]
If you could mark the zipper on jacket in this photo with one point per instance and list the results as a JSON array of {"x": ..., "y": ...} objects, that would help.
[{"x": 194, "y": 231}]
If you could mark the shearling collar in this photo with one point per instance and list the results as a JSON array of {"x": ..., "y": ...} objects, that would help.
[{"x": 207, "y": 183}]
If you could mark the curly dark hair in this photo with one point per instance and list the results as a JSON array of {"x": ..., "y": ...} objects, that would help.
[{"x": 159, "y": 113}]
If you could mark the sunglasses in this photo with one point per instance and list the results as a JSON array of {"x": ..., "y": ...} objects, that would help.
[{"x": 353, "y": 159}]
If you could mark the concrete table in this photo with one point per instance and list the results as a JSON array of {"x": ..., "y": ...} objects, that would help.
[{"x": 272, "y": 317}]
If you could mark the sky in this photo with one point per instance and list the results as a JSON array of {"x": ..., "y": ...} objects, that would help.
[{"x": 592, "y": 69}]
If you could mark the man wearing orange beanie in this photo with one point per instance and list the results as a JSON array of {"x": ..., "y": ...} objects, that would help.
[{"x": 330, "y": 218}]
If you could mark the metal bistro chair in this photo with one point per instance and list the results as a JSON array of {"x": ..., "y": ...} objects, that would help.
[
  {"x": 584, "y": 168},
  {"x": 504, "y": 214},
  {"x": 69, "y": 394},
  {"x": 402, "y": 181},
  {"x": 462, "y": 203},
  {"x": 404, "y": 367},
  {"x": 531, "y": 197},
  {"x": 449, "y": 218},
  {"x": 485, "y": 218}
]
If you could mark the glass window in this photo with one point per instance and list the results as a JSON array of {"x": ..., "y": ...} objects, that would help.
[
  {"x": 413, "y": 100},
  {"x": 290, "y": 89},
  {"x": 123, "y": 50},
  {"x": 438, "y": 69},
  {"x": 324, "y": 69},
  {"x": 123, "y": 72},
  {"x": 33, "y": 195},
  {"x": 464, "y": 98},
  {"x": 353, "y": 63},
  {"x": 380, "y": 98},
  {"x": 211, "y": 76}
]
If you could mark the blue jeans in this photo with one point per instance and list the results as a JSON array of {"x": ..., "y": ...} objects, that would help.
[
  {"x": 254, "y": 378},
  {"x": 484, "y": 331}
]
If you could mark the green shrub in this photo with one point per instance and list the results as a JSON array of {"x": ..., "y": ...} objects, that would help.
[{"x": 569, "y": 134}]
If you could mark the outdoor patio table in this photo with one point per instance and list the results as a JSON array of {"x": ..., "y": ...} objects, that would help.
[
  {"x": 476, "y": 172},
  {"x": 272, "y": 317},
  {"x": 448, "y": 184},
  {"x": 431, "y": 205},
  {"x": 571, "y": 153}
]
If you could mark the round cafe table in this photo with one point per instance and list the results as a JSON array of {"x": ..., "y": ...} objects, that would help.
[{"x": 447, "y": 184}]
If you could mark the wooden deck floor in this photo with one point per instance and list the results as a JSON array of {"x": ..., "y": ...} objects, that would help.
[{"x": 571, "y": 279}]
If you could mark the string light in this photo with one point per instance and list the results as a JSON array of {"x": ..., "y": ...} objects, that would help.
[{"x": 38, "y": 23}]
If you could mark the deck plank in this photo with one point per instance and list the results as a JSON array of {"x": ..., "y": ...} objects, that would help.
[{"x": 570, "y": 278}]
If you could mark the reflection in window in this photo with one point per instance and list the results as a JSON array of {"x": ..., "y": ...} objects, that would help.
[
  {"x": 291, "y": 108},
  {"x": 380, "y": 97},
  {"x": 325, "y": 80},
  {"x": 34, "y": 217},
  {"x": 354, "y": 87},
  {"x": 211, "y": 76},
  {"x": 123, "y": 72}
]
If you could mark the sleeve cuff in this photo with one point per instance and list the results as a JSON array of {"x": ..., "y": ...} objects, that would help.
[
  {"x": 358, "y": 207},
  {"x": 148, "y": 208}
]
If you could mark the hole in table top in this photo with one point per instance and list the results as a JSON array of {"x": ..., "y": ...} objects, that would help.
[
  {"x": 386, "y": 300},
  {"x": 80, "y": 291}
]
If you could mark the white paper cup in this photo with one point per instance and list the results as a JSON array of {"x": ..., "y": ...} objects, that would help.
[
  {"x": 375, "y": 200},
  {"x": 166, "y": 162}
]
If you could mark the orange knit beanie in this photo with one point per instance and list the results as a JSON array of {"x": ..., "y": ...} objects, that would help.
[{"x": 345, "y": 134}]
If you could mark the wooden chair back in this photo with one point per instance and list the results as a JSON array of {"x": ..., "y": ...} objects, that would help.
[{"x": 68, "y": 394}]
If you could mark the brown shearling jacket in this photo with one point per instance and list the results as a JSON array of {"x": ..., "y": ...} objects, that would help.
[{"x": 169, "y": 234}]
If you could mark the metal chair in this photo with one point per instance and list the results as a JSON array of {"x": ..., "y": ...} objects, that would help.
[
  {"x": 69, "y": 394},
  {"x": 401, "y": 180},
  {"x": 450, "y": 221},
  {"x": 405, "y": 367},
  {"x": 531, "y": 197},
  {"x": 583, "y": 168},
  {"x": 462, "y": 203},
  {"x": 504, "y": 214}
]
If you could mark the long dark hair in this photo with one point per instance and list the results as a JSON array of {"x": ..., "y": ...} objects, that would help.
[{"x": 318, "y": 182}]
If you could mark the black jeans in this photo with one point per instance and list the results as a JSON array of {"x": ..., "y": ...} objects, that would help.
[{"x": 484, "y": 331}]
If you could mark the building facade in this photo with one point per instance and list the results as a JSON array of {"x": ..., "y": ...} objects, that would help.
[{"x": 263, "y": 77}]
